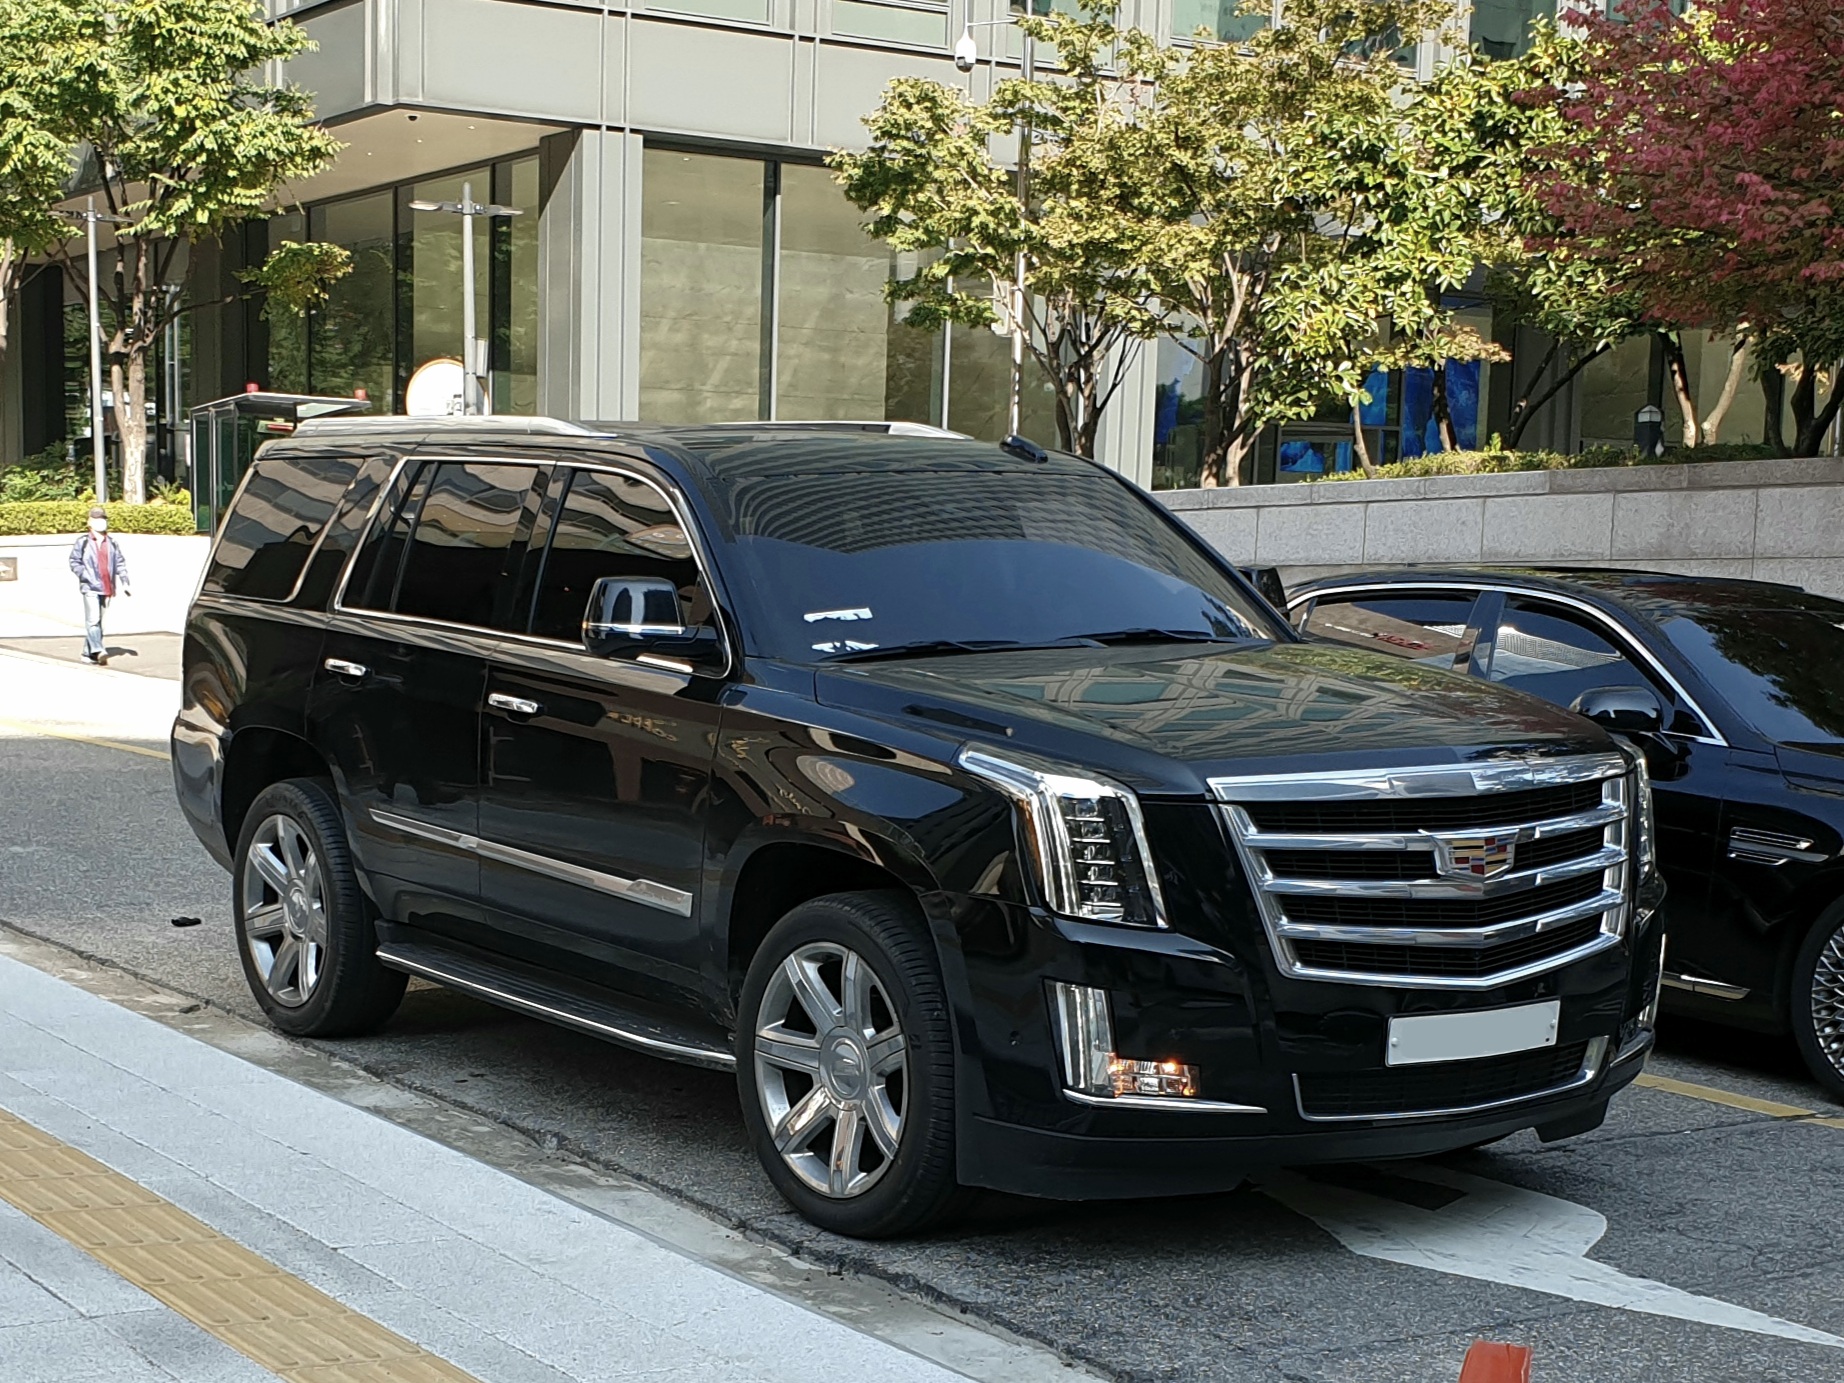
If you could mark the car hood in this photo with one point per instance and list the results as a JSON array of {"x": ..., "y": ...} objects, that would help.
[{"x": 1168, "y": 718}]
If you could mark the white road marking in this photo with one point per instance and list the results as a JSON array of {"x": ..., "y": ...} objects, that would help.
[{"x": 1499, "y": 1233}]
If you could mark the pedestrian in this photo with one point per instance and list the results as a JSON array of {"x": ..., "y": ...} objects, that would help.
[{"x": 102, "y": 574}]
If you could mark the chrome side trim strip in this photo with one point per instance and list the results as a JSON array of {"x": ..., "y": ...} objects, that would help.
[
  {"x": 655, "y": 895},
  {"x": 1590, "y": 1070},
  {"x": 1621, "y": 638},
  {"x": 1754, "y": 846},
  {"x": 702, "y": 1056},
  {"x": 1709, "y": 989},
  {"x": 1174, "y": 1103}
]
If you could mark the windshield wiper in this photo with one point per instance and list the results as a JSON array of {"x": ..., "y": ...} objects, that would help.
[
  {"x": 924, "y": 648},
  {"x": 1116, "y": 637}
]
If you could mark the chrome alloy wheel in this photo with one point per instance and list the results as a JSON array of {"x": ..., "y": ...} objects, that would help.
[
  {"x": 831, "y": 1068},
  {"x": 284, "y": 910},
  {"x": 1828, "y": 1001}
]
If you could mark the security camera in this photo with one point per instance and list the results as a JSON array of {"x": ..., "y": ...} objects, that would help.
[{"x": 966, "y": 51}]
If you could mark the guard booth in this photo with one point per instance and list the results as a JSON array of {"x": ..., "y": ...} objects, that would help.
[{"x": 226, "y": 433}]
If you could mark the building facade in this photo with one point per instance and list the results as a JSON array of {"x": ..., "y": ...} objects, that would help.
[{"x": 680, "y": 252}]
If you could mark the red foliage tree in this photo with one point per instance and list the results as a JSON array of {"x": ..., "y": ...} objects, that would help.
[{"x": 1704, "y": 166}]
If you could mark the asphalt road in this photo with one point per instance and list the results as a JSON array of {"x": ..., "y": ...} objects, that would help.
[{"x": 1733, "y": 1205}]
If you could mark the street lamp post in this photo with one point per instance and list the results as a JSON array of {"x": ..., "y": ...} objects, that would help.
[
  {"x": 90, "y": 216},
  {"x": 966, "y": 53},
  {"x": 474, "y": 398}
]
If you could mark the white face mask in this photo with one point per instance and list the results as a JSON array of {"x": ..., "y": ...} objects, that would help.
[{"x": 99, "y": 525}]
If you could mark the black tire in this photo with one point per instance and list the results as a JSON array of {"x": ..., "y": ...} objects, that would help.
[
  {"x": 345, "y": 990},
  {"x": 1818, "y": 1000},
  {"x": 905, "y": 1191}
]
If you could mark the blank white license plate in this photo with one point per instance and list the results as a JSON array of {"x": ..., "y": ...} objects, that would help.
[{"x": 1468, "y": 1036}]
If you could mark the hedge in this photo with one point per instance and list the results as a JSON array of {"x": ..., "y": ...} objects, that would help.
[
  {"x": 72, "y": 516},
  {"x": 1594, "y": 458}
]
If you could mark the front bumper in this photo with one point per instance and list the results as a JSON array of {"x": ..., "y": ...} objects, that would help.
[{"x": 1259, "y": 1043}]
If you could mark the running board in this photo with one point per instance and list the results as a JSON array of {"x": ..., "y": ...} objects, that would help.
[{"x": 599, "y": 1012}]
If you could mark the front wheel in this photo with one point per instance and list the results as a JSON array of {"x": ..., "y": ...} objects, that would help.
[
  {"x": 1818, "y": 1000},
  {"x": 304, "y": 934},
  {"x": 845, "y": 1066}
]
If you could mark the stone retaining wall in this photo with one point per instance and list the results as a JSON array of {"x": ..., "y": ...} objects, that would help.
[{"x": 1770, "y": 520}]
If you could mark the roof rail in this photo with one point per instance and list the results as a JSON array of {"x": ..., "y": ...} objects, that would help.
[
  {"x": 894, "y": 429},
  {"x": 483, "y": 423}
]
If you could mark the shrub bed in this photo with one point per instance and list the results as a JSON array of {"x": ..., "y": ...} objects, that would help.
[
  {"x": 72, "y": 516},
  {"x": 1594, "y": 458}
]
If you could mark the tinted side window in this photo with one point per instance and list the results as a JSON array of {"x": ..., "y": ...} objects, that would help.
[
  {"x": 1556, "y": 654},
  {"x": 277, "y": 519},
  {"x": 465, "y": 549},
  {"x": 610, "y": 525},
  {"x": 373, "y": 583},
  {"x": 1425, "y": 629}
]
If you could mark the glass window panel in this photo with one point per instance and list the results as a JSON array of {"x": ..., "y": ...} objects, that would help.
[
  {"x": 611, "y": 526},
  {"x": 464, "y": 552},
  {"x": 1501, "y": 28},
  {"x": 980, "y": 389},
  {"x": 700, "y": 288},
  {"x": 515, "y": 365},
  {"x": 1221, "y": 19},
  {"x": 1429, "y": 630},
  {"x": 435, "y": 269},
  {"x": 353, "y": 333},
  {"x": 843, "y": 352},
  {"x": 1556, "y": 654},
  {"x": 287, "y": 330},
  {"x": 267, "y": 537},
  {"x": 1178, "y": 417}
]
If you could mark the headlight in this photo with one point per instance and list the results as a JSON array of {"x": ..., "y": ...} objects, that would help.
[
  {"x": 1086, "y": 838},
  {"x": 1644, "y": 824}
]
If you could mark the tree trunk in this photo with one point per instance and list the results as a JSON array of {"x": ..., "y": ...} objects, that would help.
[
  {"x": 1804, "y": 400},
  {"x": 1360, "y": 443},
  {"x": 1773, "y": 391},
  {"x": 1679, "y": 370},
  {"x": 1812, "y": 429},
  {"x": 1443, "y": 413},
  {"x": 1738, "y": 366},
  {"x": 1527, "y": 406}
]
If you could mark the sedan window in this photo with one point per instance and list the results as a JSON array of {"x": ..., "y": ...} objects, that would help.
[
  {"x": 1780, "y": 667},
  {"x": 1557, "y": 654},
  {"x": 1425, "y": 629}
]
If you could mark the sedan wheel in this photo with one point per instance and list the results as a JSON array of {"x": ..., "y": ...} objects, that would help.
[
  {"x": 831, "y": 1069},
  {"x": 1818, "y": 1000},
  {"x": 285, "y": 911}
]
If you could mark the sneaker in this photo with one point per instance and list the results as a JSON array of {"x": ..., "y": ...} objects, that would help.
[
  {"x": 102, "y": 660},
  {"x": 88, "y": 656}
]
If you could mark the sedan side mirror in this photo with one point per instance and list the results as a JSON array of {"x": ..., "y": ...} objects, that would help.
[
  {"x": 640, "y": 615},
  {"x": 1626, "y": 710}
]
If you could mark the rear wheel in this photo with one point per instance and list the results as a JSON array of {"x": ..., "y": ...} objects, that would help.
[
  {"x": 1818, "y": 1000},
  {"x": 845, "y": 1066},
  {"x": 304, "y": 933}
]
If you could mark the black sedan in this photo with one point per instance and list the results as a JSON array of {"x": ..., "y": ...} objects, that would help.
[{"x": 1736, "y": 690}]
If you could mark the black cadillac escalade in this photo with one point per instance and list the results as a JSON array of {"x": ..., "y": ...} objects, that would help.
[{"x": 984, "y": 820}]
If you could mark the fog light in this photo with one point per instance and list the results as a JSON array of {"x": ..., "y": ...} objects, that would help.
[
  {"x": 1085, "y": 1040},
  {"x": 1132, "y": 1077}
]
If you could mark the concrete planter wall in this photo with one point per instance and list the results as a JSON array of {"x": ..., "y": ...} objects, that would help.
[{"x": 1770, "y": 520}]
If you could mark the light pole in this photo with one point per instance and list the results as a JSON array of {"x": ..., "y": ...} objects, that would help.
[
  {"x": 473, "y": 350},
  {"x": 90, "y": 216},
  {"x": 966, "y": 54}
]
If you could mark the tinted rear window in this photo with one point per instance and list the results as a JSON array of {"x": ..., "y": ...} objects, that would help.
[{"x": 276, "y": 521}]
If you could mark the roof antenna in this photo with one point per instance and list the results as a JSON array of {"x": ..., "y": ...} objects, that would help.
[{"x": 1024, "y": 449}]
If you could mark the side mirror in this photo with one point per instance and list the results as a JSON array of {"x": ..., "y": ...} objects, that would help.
[
  {"x": 1267, "y": 580},
  {"x": 1624, "y": 710},
  {"x": 638, "y": 615}
]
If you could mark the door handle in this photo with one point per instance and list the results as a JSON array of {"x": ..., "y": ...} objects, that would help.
[
  {"x": 513, "y": 705},
  {"x": 342, "y": 668}
]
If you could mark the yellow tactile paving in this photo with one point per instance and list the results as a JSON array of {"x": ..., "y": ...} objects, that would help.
[{"x": 288, "y": 1327}]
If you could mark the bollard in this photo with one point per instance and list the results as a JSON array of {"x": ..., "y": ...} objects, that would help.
[{"x": 1490, "y": 1362}]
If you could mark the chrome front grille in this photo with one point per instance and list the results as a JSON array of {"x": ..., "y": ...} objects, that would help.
[{"x": 1437, "y": 877}]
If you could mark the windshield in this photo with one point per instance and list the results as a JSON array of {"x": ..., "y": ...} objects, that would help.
[
  {"x": 856, "y": 564},
  {"x": 1778, "y": 665}
]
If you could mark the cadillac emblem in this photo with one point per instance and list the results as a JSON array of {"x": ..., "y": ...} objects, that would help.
[{"x": 1475, "y": 857}]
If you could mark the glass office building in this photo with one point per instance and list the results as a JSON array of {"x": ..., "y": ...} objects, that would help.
[{"x": 679, "y": 252}]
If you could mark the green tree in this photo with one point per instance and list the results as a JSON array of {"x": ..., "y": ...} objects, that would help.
[
  {"x": 34, "y": 166},
  {"x": 181, "y": 137},
  {"x": 1066, "y": 265}
]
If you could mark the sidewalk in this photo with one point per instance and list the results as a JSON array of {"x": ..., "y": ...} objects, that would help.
[{"x": 238, "y": 1216}]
